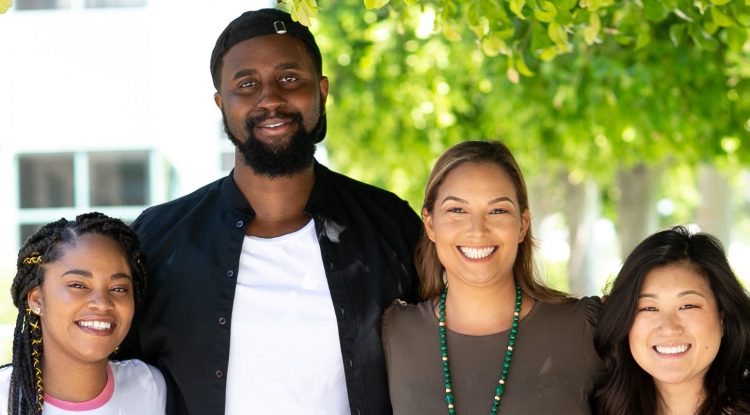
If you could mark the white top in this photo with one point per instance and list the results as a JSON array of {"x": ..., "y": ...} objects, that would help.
[
  {"x": 133, "y": 387},
  {"x": 284, "y": 354}
]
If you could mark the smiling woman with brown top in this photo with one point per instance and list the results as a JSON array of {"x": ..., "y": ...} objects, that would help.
[{"x": 488, "y": 338}]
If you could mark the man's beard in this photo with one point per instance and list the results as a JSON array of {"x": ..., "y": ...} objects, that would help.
[{"x": 276, "y": 159}]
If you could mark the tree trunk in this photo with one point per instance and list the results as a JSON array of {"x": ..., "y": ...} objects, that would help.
[
  {"x": 715, "y": 208},
  {"x": 582, "y": 210},
  {"x": 545, "y": 198},
  {"x": 636, "y": 210}
]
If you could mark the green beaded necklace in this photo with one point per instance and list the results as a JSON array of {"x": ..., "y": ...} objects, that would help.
[{"x": 500, "y": 389}]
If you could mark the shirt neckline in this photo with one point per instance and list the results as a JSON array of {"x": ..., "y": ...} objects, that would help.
[
  {"x": 95, "y": 403},
  {"x": 522, "y": 322}
]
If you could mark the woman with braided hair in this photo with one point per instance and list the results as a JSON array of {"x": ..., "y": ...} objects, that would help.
[{"x": 76, "y": 286}]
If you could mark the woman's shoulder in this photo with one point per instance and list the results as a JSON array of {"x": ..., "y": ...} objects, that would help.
[
  {"x": 584, "y": 307},
  {"x": 404, "y": 316},
  {"x": 138, "y": 383},
  {"x": 136, "y": 370},
  {"x": 5, "y": 371}
]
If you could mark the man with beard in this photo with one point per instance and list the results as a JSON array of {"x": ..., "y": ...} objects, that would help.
[{"x": 295, "y": 261}]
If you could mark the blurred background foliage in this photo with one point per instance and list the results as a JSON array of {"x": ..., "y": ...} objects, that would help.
[
  {"x": 634, "y": 101},
  {"x": 660, "y": 81}
]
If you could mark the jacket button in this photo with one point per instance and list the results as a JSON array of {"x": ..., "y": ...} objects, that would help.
[
  {"x": 239, "y": 224},
  {"x": 230, "y": 274},
  {"x": 219, "y": 374},
  {"x": 222, "y": 321}
]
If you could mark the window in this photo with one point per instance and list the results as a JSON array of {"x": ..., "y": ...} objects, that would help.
[
  {"x": 75, "y": 4},
  {"x": 46, "y": 181},
  {"x": 118, "y": 183},
  {"x": 41, "y": 4},
  {"x": 96, "y": 4},
  {"x": 118, "y": 179},
  {"x": 29, "y": 229}
]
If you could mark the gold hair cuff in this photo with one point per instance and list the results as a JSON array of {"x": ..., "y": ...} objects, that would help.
[{"x": 33, "y": 259}]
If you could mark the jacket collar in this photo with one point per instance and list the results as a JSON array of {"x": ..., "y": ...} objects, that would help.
[{"x": 316, "y": 203}]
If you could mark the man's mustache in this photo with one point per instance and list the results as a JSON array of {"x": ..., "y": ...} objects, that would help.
[{"x": 256, "y": 119}]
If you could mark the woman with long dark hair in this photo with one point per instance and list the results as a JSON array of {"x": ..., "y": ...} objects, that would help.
[
  {"x": 76, "y": 287},
  {"x": 675, "y": 331}
]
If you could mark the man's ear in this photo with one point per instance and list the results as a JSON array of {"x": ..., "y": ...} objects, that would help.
[
  {"x": 323, "y": 88},
  {"x": 217, "y": 100}
]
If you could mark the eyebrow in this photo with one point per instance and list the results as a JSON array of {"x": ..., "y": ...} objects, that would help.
[
  {"x": 87, "y": 274},
  {"x": 247, "y": 72},
  {"x": 680, "y": 294},
  {"x": 491, "y": 202}
]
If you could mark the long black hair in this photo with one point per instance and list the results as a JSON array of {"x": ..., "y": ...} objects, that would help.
[
  {"x": 628, "y": 389},
  {"x": 26, "y": 394}
]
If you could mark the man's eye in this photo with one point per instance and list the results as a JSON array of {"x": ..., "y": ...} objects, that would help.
[
  {"x": 288, "y": 79},
  {"x": 248, "y": 84}
]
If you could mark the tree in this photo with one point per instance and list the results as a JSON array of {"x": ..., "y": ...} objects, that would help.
[{"x": 590, "y": 90}]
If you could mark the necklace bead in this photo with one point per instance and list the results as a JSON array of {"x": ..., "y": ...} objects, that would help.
[{"x": 500, "y": 389}]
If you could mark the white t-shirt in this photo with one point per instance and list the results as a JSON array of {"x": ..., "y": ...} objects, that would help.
[
  {"x": 133, "y": 387},
  {"x": 284, "y": 354}
]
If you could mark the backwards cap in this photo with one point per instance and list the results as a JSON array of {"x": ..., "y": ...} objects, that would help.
[{"x": 260, "y": 23}]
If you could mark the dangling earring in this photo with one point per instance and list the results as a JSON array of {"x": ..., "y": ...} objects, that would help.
[{"x": 445, "y": 279}]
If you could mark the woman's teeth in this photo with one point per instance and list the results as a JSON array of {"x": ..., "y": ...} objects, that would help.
[{"x": 477, "y": 253}]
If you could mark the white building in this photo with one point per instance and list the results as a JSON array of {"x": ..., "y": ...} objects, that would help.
[{"x": 105, "y": 105}]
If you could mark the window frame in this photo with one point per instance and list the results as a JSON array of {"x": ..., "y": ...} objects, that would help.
[{"x": 155, "y": 182}]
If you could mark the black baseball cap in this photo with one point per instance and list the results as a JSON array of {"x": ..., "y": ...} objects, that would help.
[{"x": 260, "y": 23}]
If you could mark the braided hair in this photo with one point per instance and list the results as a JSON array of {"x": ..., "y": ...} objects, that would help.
[{"x": 26, "y": 395}]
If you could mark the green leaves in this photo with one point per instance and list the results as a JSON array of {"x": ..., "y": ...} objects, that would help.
[
  {"x": 702, "y": 39},
  {"x": 736, "y": 38},
  {"x": 591, "y": 84},
  {"x": 516, "y": 6},
  {"x": 677, "y": 33},
  {"x": 303, "y": 10},
  {"x": 375, "y": 4},
  {"x": 720, "y": 18},
  {"x": 557, "y": 33},
  {"x": 494, "y": 45},
  {"x": 513, "y": 27},
  {"x": 520, "y": 65},
  {"x": 546, "y": 12},
  {"x": 655, "y": 10},
  {"x": 5, "y": 5},
  {"x": 591, "y": 32}
]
